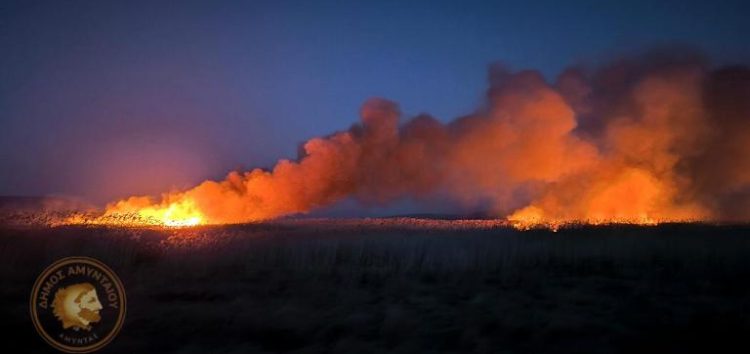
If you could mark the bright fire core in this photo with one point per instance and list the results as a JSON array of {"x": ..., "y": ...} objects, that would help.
[{"x": 183, "y": 213}]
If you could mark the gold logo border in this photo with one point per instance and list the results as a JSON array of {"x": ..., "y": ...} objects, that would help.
[{"x": 120, "y": 291}]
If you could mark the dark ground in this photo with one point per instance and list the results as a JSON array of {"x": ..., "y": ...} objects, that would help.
[{"x": 314, "y": 287}]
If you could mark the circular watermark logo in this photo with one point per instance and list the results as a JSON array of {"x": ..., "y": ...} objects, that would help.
[{"x": 78, "y": 305}]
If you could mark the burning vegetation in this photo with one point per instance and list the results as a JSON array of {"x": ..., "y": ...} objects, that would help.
[{"x": 641, "y": 140}]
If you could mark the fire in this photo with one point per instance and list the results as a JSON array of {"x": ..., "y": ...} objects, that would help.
[
  {"x": 533, "y": 217},
  {"x": 140, "y": 211},
  {"x": 634, "y": 196},
  {"x": 636, "y": 142},
  {"x": 183, "y": 213}
]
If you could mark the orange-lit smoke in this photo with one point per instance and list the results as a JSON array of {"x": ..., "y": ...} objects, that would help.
[{"x": 644, "y": 140}]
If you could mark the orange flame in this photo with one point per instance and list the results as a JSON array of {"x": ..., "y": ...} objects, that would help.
[{"x": 140, "y": 211}]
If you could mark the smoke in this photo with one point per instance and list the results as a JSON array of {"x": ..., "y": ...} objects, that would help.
[{"x": 643, "y": 139}]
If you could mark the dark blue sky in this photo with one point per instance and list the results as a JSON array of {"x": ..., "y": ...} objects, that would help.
[{"x": 103, "y": 99}]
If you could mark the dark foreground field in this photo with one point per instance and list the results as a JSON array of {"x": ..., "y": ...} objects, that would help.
[{"x": 403, "y": 287}]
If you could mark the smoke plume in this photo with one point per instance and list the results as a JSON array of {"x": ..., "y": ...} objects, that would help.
[{"x": 646, "y": 139}]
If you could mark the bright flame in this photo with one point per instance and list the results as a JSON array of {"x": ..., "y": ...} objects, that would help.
[
  {"x": 532, "y": 217},
  {"x": 175, "y": 214},
  {"x": 138, "y": 211}
]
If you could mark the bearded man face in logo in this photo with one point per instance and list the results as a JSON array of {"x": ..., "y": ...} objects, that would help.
[{"x": 77, "y": 306}]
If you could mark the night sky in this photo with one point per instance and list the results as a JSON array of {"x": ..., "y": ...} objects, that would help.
[{"x": 104, "y": 99}]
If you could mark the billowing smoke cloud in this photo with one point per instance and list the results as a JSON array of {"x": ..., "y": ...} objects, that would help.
[{"x": 645, "y": 139}]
